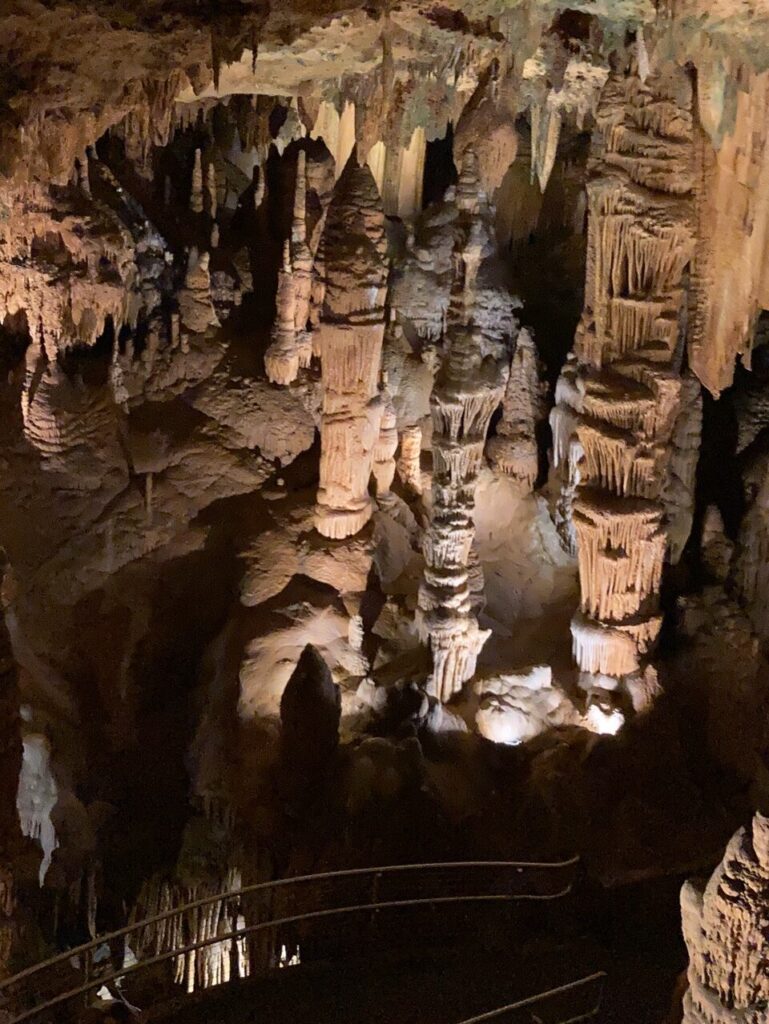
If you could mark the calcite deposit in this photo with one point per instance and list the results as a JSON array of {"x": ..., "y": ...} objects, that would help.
[
  {"x": 724, "y": 924},
  {"x": 384, "y": 477}
]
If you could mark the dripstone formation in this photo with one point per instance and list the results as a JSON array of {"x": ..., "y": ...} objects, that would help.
[{"x": 383, "y": 388}]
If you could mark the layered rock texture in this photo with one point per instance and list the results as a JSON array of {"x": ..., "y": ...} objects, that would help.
[
  {"x": 724, "y": 924},
  {"x": 618, "y": 405},
  {"x": 383, "y": 388}
]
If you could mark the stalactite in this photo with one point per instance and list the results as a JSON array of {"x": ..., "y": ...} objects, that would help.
[
  {"x": 301, "y": 256},
  {"x": 351, "y": 333},
  {"x": 210, "y": 965}
]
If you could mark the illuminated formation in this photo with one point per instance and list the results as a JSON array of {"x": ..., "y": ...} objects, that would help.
[
  {"x": 617, "y": 406},
  {"x": 468, "y": 389},
  {"x": 351, "y": 333},
  {"x": 384, "y": 478}
]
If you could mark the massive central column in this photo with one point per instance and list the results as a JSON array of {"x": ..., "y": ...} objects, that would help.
[
  {"x": 468, "y": 389},
  {"x": 618, "y": 402},
  {"x": 352, "y": 330}
]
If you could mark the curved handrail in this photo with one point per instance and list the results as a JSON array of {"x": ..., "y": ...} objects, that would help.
[
  {"x": 204, "y": 901},
  {"x": 376, "y": 874},
  {"x": 540, "y": 997}
]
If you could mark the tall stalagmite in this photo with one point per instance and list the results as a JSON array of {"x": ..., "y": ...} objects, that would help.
[
  {"x": 351, "y": 329},
  {"x": 468, "y": 389},
  {"x": 513, "y": 450},
  {"x": 291, "y": 347},
  {"x": 617, "y": 406}
]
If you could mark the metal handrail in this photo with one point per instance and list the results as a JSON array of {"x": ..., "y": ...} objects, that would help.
[
  {"x": 236, "y": 934},
  {"x": 521, "y": 1004},
  {"x": 204, "y": 901}
]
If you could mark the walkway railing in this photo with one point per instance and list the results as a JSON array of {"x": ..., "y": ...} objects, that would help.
[
  {"x": 255, "y": 909},
  {"x": 577, "y": 1001}
]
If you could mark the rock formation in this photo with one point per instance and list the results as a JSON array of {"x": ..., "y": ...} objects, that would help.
[
  {"x": 513, "y": 450},
  {"x": 352, "y": 329},
  {"x": 621, "y": 401},
  {"x": 288, "y": 296},
  {"x": 291, "y": 346},
  {"x": 467, "y": 390},
  {"x": 724, "y": 924}
]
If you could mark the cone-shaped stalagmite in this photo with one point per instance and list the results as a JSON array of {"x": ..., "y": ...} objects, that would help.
[
  {"x": 291, "y": 346},
  {"x": 352, "y": 329}
]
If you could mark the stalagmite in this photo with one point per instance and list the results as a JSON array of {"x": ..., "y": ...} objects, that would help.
[
  {"x": 725, "y": 924},
  {"x": 625, "y": 426},
  {"x": 301, "y": 256},
  {"x": 292, "y": 347},
  {"x": 752, "y": 569},
  {"x": 196, "y": 195},
  {"x": 282, "y": 358},
  {"x": 513, "y": 450},
  {"x": 260, "y": 185},
  {"x": 386, "y": 446},
  {"x": 468, "y": 389},
  {"x": 351, "y": 333},
  {"x": 409, "y": 458},
  {"x": 211, "y": 189},
  {"x": 195, "y": 306}
]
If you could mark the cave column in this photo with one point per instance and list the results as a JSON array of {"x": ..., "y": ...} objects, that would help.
[
  {"x": 468, "y": 389},
  {"x": 618, "y": 400},
  {"x": 351, "y": 335}
]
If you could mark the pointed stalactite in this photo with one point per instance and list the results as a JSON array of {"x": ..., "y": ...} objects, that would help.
[{"x": 212, "y": 963}]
